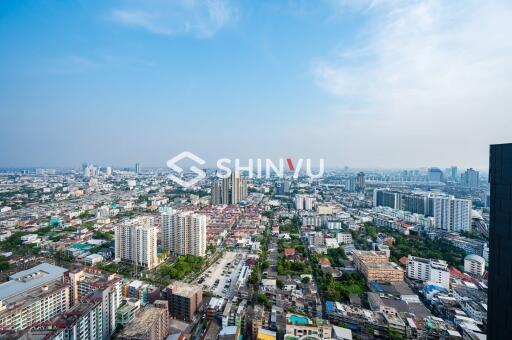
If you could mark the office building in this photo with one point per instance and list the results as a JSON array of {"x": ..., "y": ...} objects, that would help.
[
  {"x": 136, "y": 242},
  {"x": 500, "y": 243},
  {"x": 32, "y": 296},
  {"x": 183, "y": 233},
  {"x": 474, "y": 265},
  {"x": 151, "y": 323},
  {"x": 184, "y": 299},
  {"x": 137, "y": 168},
  {"x": 429, "y": 271},
  {"x": 470, "y": 178}
]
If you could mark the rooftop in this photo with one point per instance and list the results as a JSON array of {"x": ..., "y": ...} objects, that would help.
[
  {"x": 184, "y": 289},
  {"x": 34, "y": 277},
  {"x": 143, "y": 322}
]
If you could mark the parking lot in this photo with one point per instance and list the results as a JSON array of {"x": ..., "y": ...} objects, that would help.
[{"x": 221, "y": 277}]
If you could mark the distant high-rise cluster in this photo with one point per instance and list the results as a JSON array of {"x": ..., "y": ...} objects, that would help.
[
  {"x": 450, "y": 213},
  {"x": 183, "y": 233},
  {"x": 90, "y": 170},
  {"x": 136, "y": 242},
  {"x": 229, "y": 190}
]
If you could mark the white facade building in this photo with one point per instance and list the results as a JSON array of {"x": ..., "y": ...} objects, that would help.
[
  {"x": 136, "y": 242},
  {"x": 474, "y": 264},
  {"x": 429, "y": 271},
  {"x": 304, "y": 202},
  {"x": 184, "y": 233},
  {"x": 451, "y": 214}
]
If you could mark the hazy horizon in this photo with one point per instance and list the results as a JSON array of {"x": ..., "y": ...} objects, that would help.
[{"x": 388, "y": 84}]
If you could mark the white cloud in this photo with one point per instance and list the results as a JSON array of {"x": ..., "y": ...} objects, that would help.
[
  {"x": 429, "y": 80},
  {"x": 181, "y": 17}
]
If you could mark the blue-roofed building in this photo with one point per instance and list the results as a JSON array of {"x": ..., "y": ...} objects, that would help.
[{"x": 329, "y": 306}]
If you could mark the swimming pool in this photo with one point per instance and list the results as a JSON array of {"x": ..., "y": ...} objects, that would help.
[{"x": 299, "y": 319}]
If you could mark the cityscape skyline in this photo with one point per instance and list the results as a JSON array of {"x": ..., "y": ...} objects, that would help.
[{"x": 364, "y": 84}]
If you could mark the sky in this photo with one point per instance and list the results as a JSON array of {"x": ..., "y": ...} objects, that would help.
[{"x": 386, "y": 84}]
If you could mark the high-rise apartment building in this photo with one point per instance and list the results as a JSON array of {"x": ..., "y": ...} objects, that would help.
[
  {"x": 216, "y": 193},
  {"x": 304, "y": 202},
  {"x": 450, "y": 213},
  {"x": 470, "y": 178},
  {"x": 82, "y": 321},
  {"x": 33, "y": 296},
  {"x": 387, "y": 198},
  {"x": 184, "y": 233},
  {"x": 136, "y": 242},
  {"x": 107, "y": 288},
  {"x": 230, "y": 190},
  {"x": 500, "y": 238},
  {"x": 361, "y": 182}
]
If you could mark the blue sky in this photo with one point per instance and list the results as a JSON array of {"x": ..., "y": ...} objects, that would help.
[{"x": 119, "y": 82}]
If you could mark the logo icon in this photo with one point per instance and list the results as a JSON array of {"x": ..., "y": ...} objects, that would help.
[{"x": 172, "y": 163}]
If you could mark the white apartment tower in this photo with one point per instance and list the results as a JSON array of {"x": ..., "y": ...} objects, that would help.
[
  {"x": 304, "y": 202},
  {"x": 184, "y": 233},
  {"x": 451, "y": 214},
  {"x": 136, "y": 242}
]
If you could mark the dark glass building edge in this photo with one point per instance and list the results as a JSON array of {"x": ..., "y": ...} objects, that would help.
[{"x": 500, "y": 243}]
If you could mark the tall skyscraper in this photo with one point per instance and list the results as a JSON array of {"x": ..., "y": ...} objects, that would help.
[
  {"x": 361, "y": 182},
  {"x": 184, "y": 233},
  {"x": 216, "y": 193},
  {"x": 454, "y": 172},
  {"x": 500, "y": 237},
  {"x": 470, "y": 178},
  {"x": 136, "y": 242},
  {"x": 137, "y": 168}
]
